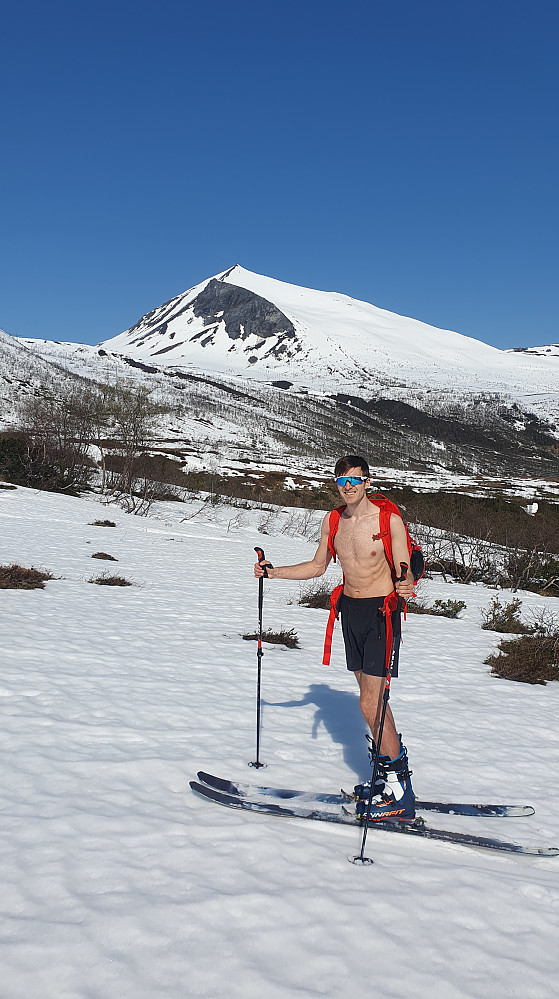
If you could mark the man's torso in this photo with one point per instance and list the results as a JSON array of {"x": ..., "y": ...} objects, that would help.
[{"x": 360, "y": 550}]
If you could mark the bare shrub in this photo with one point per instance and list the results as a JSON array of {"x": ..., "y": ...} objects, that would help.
[
  {"x": 103, "y": 523},
  {"x": 268, "y": 520},
  {"x": 533, "y": 570},
  {"x": 106, "y": 580},
  {"x": 544, "y": 621},
  {"x": 478, "y": 560},
  {"x": 505, "y": 618},
  {"x": 317, "y": 594},
  {"x": 281, "y": 637},
  {"x": 16, "y": 577},
  {"x": 441, "y": 608},
  {"x": 529, "y": 659},
  {"x": 499, "y": 520},
  {"x": 52, "y": 453}
]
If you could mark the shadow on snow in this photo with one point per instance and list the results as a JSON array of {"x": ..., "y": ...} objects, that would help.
[{"x": 341, "y": 716}]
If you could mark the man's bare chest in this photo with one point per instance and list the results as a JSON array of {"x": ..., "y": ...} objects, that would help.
[{"x": 359, "y": 540}]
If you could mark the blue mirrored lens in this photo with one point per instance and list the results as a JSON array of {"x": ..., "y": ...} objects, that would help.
[{"x": 354, "y": 480}]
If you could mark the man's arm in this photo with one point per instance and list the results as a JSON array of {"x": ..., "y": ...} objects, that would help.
[
  {"x": 304, "y": 570},
  {"x": 400, "y": 554}
]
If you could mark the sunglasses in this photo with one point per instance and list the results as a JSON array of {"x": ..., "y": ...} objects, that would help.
[{"x": 352, "y": 480}]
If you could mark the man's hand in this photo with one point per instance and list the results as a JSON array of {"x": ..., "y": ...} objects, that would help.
[
  {"x": 404, "y": 588},
  {"x": 259, "y": 571}
]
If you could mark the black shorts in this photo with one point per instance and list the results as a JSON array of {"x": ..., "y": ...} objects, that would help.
[{"x": 364, "y": 631}]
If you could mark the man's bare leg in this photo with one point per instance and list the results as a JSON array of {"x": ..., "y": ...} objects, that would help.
[{"x": 370, "y": 701}]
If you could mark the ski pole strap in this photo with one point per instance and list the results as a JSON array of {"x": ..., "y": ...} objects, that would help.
[{"x": 334, "y": 600}]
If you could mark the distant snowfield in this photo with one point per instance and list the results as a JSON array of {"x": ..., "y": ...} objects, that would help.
[{"x": 118, "y": 883}]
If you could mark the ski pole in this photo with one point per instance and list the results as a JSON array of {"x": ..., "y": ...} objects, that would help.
[
  {"x": 361, "y": 858},
  {"x": 260, "y": 652}
]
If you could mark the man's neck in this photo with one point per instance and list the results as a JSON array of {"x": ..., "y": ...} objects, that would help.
[{"x": 362, "y": 508}]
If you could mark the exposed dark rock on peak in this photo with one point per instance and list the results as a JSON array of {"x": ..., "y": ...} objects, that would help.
[{"x": 241, "y": 311}]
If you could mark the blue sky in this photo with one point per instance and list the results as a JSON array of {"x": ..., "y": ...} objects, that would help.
[{"x": 399, "y": 151}]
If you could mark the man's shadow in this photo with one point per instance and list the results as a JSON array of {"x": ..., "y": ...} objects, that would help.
[{"x": 341, "y": 716}]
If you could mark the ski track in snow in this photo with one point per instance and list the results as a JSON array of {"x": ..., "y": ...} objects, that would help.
[{"x": 119, "y": 883}]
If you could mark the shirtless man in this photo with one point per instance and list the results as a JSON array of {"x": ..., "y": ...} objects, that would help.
[{"x": 367, "y": 581}]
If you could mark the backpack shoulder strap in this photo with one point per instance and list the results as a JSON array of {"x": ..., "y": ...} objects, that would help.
[
  {"x": 333, "y": 525},
  {"x": 386, "y": 508}
]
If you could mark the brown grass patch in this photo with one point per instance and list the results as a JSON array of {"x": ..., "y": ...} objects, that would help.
[
  {"x": 16, "y": 577},
  {"x": 282, "y": 637},
  {"x": 106, "y": 580}
]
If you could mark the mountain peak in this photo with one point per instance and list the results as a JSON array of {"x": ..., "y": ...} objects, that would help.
[{"x": 239, "y": 321}]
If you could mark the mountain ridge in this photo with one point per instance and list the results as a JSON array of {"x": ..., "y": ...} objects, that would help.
[
  {"x": 253, "y": 373},
  {"x": 327, "y": 341}
]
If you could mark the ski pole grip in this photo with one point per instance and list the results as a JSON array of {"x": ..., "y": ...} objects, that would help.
[{"x": 261, "y": 558}]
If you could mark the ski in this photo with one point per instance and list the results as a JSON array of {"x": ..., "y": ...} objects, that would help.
[
  {"x": 255, "y": 792},
  {"x": 416, "y": 827}
]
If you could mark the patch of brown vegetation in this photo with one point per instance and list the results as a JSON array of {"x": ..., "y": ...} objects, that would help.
[
  {"x": 529, "y": 659},
  {"x": 16, "y": 577}
]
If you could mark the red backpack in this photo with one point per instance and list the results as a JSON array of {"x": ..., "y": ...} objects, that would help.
[{"x": 417, "y": 567}]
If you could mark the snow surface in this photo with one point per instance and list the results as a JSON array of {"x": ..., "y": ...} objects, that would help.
[{"x": 119, "y": 883}]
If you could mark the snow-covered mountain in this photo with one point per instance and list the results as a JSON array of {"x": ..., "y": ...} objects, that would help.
[
  {"x": 549, "y": 350},
  {"x": 239, "y": 322},
  {"x": 254, "y": 373}
]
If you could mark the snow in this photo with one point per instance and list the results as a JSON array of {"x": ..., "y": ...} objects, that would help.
[{"x": 119, "y": 883}]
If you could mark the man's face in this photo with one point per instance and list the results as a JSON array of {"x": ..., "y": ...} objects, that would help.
[{"x": 353, "y": 493}]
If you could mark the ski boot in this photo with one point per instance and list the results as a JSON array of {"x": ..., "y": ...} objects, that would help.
[
  {"x": 396, "y": 801},
  {"x": 362, "y": 790}
]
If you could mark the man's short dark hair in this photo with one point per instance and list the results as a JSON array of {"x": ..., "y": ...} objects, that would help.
[{"x": 344, "y": 464}]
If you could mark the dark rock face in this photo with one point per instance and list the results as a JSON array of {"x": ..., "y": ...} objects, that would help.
[{"x": 243, "y": 312}]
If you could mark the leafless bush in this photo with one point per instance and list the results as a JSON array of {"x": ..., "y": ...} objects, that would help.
[
  {"x": 269, "y": 520},
  {"x": 316, "y": 594},
  {"x": 473, "y": 560},
  {"x": 106, "y": 580},
  {"x": 281, "y": 637},
  {"x": 302, "y": 525},
  {"x": 16, "y": 577},
  {"x": 544, "y": 622},
  {"x": 441, "y": 608},
  {"x": 529, "y": 570}
]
